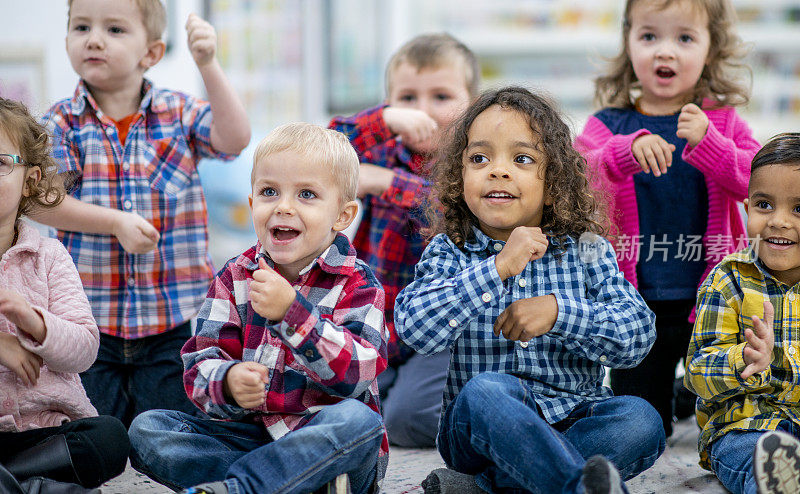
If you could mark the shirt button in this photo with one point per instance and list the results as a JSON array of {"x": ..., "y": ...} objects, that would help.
[
  {"x": 603, "y": 358},
  {"x": 791, "y": 297},
  {"x": 522, "y": 282},
  {"x": 290, "y": 331},
  {"x": 126, "y": 166},
  {"x": 453, "y": 323},
  {"x": 523, "y": 344},
  {"x": 131, "y": 281},
  {"x": 309, "y": 353},
  {"x": 791, "y": 350},
  {"x": 486, "y": 297},
  {"x": 127, "y": 204},
  {"x": 498, "y": 247}
]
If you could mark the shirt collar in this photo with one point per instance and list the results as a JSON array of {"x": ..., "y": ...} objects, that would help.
[
  {"x": 481, "y": 242},
  {"x": 28, "y": 239},
  {"x": 155, "y": 100},
  {"x": 338, "y": 259},
  {"x": 748, "y": 256}
]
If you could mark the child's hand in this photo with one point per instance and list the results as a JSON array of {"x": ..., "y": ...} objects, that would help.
[
  {"x": 202, "y": 39},
  {"x": 525, "y": 244},
  {"x": 414, "y": 126},
  {"x": 135, "y": 234},
  {"x": 20, "y": 361},
  {"x": 653, "y": 153},
  {"x": 758, "y": 350},
  {"x": 692, "y": 124},
  {"x": 270, "y": 294},
  {"x": 21, "y": 314},
  {"x": 527, "y": 318},
  {"x": 373, "y": 179},
  {"x": 246, "y": 383}
]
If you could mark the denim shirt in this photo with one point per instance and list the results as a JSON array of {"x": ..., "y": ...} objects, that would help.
[{"x": 457, "y": 295}]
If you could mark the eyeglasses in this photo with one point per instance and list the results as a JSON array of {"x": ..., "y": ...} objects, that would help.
[{"x": 7, "y": 162}]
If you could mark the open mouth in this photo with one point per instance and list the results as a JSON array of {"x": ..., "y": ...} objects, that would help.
[
  {"x": 779, "y": 242},
  {"x": 284, "y": 233},
  {"x": 665, "y": 72},
  {"x": 499, "y": 195}
]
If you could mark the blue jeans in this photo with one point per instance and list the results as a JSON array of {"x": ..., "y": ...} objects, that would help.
[
  {"x": 132, "y": 376},
  {"x": 413, "y": 399},
  {"x": 732, "y": 457},
  {"x": 493, "y": 430},
  {"x": 180, "y": 450}
]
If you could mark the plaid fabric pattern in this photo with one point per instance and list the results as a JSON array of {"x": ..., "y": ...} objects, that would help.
[
  {"x": 330, "y": 345},
  {"x": 155, "y": 175},
  {"x": 457, "y": 295},
  {"x": 734, "y": 291},
  {"x": 388, "y": 238}
]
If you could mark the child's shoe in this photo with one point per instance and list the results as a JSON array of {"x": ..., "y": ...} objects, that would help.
[
  {"x": 600, "y": 476},
  {"x": 776, "y": 463},
  {"x": 208, "y": 488},
  {"x": 339, "y": 485}
]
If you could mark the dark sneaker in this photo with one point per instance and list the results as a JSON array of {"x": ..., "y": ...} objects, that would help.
[
  {"x": 339, "y": 485},
  {"x": 776, "y": 463},
  {"x": 600, "y": 476},
  {"x": 208, "y": 488},
  {"x": 446, "y": 481}
]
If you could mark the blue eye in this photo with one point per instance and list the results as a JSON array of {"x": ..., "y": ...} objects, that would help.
[
  {"x": 116, "y": 30},
  {"x": 269, "y": 192},
  {"x": 648, "y": 36},
  {"x": 523, "y": 159},
  {"x": 307, "y": 194},
  {"x": 685, "y": 38}
]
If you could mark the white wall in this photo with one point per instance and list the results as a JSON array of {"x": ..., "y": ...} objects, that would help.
[{"x": 40, "y": 26}]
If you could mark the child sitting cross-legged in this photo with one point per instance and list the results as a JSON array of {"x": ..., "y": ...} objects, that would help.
[{"x": 289, "y": 342}]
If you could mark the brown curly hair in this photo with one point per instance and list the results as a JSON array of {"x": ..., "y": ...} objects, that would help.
[
  {"x": 574, "y": 211},
  {"x": 720, "y": 79},
  {"x": 33, "y": 142}
]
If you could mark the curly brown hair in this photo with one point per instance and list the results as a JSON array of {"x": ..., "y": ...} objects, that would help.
[
  {"x": 33, "y": 142},
  {"x": 720, "y": 80},
  {"x": 574, "y": 211}
]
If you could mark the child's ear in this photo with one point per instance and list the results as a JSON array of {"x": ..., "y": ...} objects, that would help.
[
  {"x": 32, "y": 177},
  {"x": 346, "y": 216},
  {"x": 746, "y": 206},
  {"x": 154, "y": 54}
]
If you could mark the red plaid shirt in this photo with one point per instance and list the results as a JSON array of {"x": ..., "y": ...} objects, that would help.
[
  {"x": 330, "y": 345},
  {"x": 388, "y": 238}
]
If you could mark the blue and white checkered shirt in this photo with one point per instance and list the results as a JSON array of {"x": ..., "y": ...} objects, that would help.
[{"x": 457, "y": 295}]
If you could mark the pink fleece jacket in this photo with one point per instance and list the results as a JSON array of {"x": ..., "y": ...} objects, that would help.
[
  {"x": 41, "y": 270},
  {"x": 723, "y": 156}
]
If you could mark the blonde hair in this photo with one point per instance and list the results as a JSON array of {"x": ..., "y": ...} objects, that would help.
[
  {"x": 33, "y": 142},
  {"x": 428, "y": 51},
  {"x": 329, "y": 148},
  {"x": 154, "y": 17},
  {"x": 719, "y": 79}
]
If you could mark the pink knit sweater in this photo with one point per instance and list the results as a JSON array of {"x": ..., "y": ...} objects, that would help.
[
  {"x": 41, "y": 270},
  {"x": 723, "y": 156}
]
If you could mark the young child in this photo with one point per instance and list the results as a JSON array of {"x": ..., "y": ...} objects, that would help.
[
  {"x": 670, "y": 132},
  {"x": 48, "y": 428},
  {"x": 430, "y": 81},
  {"x": 530, "y": 318},
  {"x": 742, "y": 359},
  {"x": 289, "y": 342},
  {"x": 134, "y": 150}
]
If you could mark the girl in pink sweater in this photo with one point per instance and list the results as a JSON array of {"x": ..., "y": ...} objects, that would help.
[
  {"x": 48, "y": 428},
  {"x": 672, "y": 158}
]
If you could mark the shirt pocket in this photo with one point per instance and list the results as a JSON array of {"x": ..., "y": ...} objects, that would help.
[{"x": 171, "y": 167}]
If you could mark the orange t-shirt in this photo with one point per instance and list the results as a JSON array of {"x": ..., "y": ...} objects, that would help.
[{"x": 123, "y": 126}]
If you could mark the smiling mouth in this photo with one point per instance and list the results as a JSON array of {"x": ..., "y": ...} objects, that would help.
[
  {"x": 283, "y": 234},
  {"x": 499, "y": 195},
  {"x": 665, "y": 72},
  {"x": 781, "y": 242}
]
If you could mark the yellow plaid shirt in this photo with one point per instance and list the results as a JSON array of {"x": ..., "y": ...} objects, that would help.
[{"x": 734, "y": 291}]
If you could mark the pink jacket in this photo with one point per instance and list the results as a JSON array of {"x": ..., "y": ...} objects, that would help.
[
  {"x": 723, "y": 156},
  {"x": 41, "y": 270}
]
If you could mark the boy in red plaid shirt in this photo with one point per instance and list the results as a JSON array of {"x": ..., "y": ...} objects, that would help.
[
  {"x": 289, "y": 342},
  {"x": 430, "y": 81}
]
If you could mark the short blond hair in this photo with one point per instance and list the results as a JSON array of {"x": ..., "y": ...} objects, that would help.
[
  {"x": 432, "y": 51},
  {"x": 329, "y": 148},
  {"x": 154, "y": 17}
]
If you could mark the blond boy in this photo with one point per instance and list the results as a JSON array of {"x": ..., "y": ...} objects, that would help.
[
  {"x": 430, "y": 81},
  {"x": 289, "y": 342},
  {"x": 136, "y": 223}
]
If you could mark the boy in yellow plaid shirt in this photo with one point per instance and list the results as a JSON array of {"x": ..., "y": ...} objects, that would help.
[{"x": 744, "y": 356}]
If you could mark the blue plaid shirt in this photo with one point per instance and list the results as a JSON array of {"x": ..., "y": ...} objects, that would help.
[{"x": 457, "y": 295}]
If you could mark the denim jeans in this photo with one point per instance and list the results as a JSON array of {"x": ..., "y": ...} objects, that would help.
[
  {"x": 131, "y": 376},
  {"x": 179, "y": 450},
  {"x": 732, "y": 457},
  {"x": 493, "y": 430}
]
